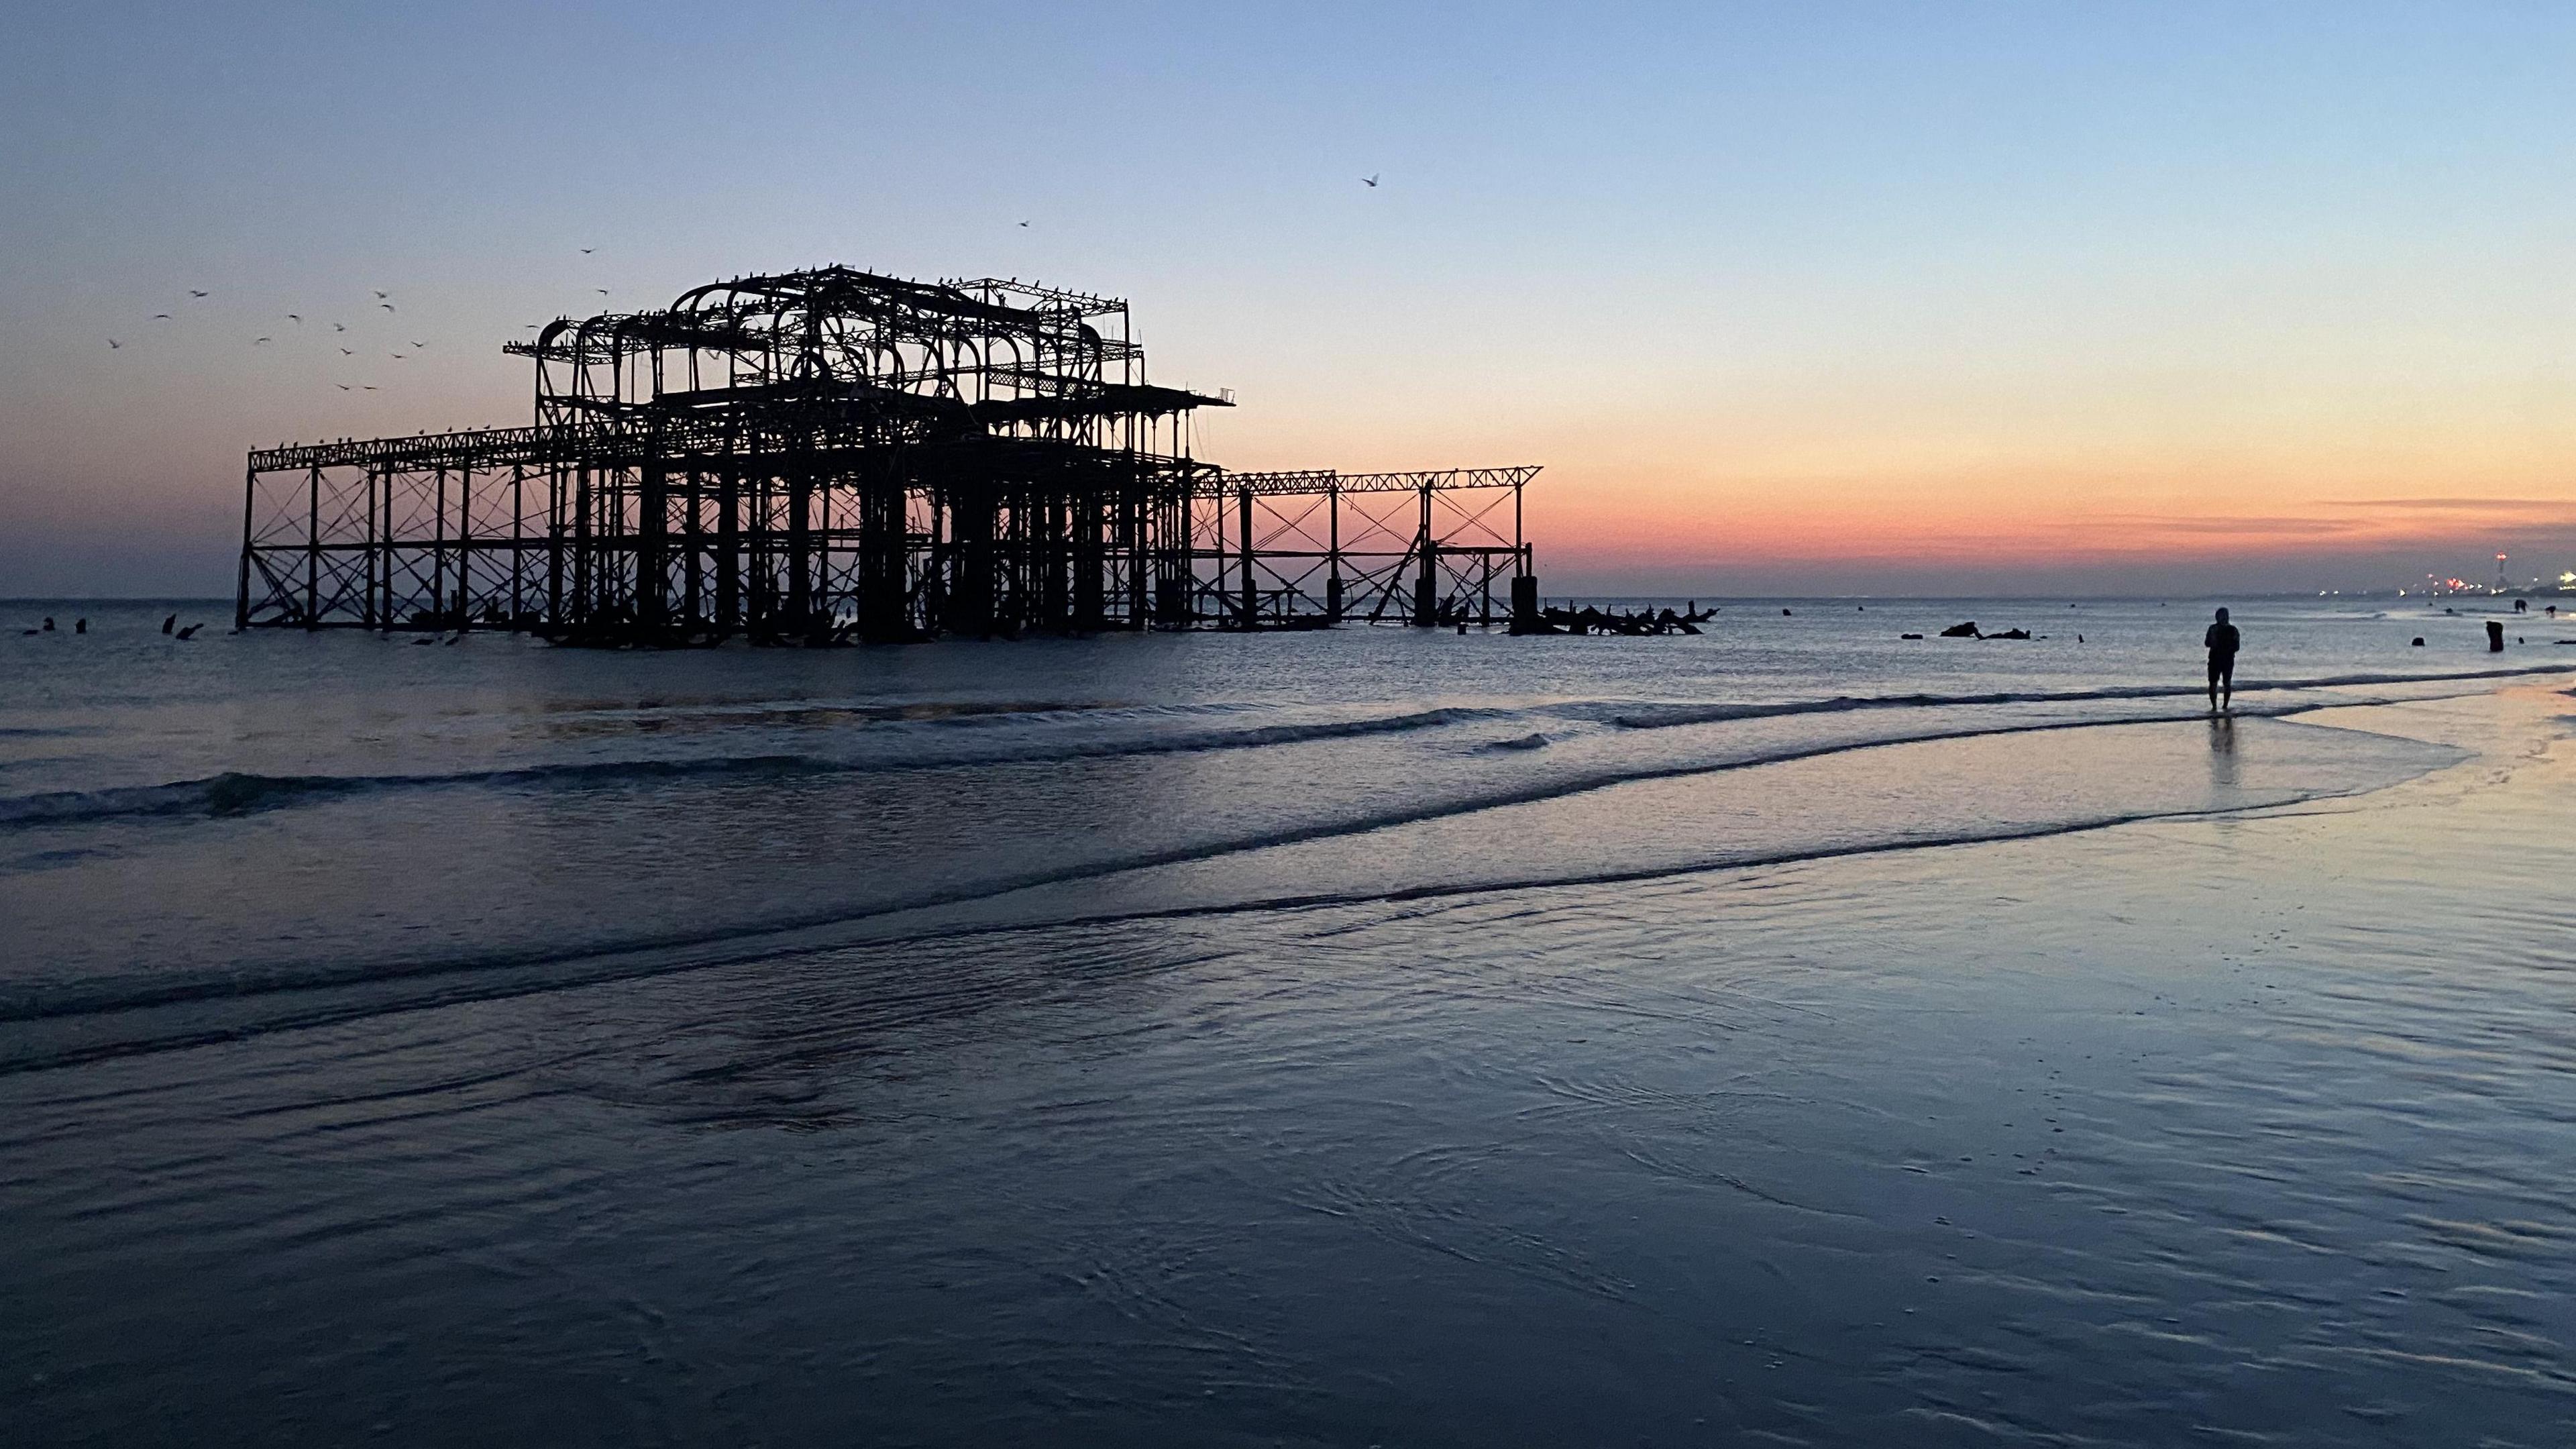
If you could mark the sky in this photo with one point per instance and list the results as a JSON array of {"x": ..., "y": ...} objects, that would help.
[{"x": 1814, "y": 298}]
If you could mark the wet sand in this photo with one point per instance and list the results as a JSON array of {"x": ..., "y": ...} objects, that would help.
[{"x": 2250, "y": 1128}]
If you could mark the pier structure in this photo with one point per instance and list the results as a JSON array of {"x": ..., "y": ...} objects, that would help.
[{"x": 833, "y": 456}]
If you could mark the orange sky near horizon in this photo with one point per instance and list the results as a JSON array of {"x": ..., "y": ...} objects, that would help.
[{"x": 1825, "y": 296}]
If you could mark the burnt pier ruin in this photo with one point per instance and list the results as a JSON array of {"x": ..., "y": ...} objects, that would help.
[{"x": 835, "y": 456}]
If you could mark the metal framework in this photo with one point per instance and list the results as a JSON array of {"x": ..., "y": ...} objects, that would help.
[{"x": 835, "y": 455}]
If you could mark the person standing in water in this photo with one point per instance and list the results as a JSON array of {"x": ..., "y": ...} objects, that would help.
[{"x": 2221, "y": 642}]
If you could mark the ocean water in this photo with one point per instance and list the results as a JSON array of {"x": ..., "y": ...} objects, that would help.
[{"x": 1369, "y": 1036}]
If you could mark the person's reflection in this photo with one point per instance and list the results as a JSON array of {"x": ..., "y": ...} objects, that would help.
[{"x": 2222, "y": 752}]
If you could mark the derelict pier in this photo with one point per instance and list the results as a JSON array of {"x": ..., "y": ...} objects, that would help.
[{"x": 831, "y": 456}]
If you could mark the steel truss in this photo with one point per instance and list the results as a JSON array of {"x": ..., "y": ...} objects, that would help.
[{"x": 834, "y": 455}]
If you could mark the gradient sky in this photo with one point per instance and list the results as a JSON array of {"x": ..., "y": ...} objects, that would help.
[{"x": 1788, "y": 297}]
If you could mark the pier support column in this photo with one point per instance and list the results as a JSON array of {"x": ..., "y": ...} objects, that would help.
[
  {"x": 652, "y": 550},
  {"x": 881, "y": 554},
  {"x": 241, "y": 578},
  {"x": 1426, "y": 584},
  {"x": 1246, "y": 612},
  {"x": 313, "y": 547},
  {"x": 1333, "y": 552}
]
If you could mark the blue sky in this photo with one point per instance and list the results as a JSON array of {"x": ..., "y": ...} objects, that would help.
[{"x": 1785, "y": 296}]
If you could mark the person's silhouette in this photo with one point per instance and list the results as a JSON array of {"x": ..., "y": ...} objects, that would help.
[{"x": 2221, "y": 641}]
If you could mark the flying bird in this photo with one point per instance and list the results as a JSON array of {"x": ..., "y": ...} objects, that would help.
[
  {"x": 1024, "y": 223},
  {"x": 160, "y": 316},
  {"x": 369, "y": 387},
  {"x": 603, "y": 291},
  {"x": 399, "y": 356},
  {"x": 381, "y": 294},
  {"x": 258, "y": 340},
  {"x": 388, "y": 306},
  {"x": 338, "y": 327},
  {"x": 291, "y": 317},
  {"x": 114, "y": 344},
  {"x": 1370, "y": 180},
  {"x": 344, "y": 352},
  {"x": 420, "y": 344},
  {"x": 585, "y": 251},
  {"x": 342, "y": 386},
  {"x": 193, "y": 292}
]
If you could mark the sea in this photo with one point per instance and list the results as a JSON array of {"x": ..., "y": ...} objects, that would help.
[{"x": 1802, "y": 1032}]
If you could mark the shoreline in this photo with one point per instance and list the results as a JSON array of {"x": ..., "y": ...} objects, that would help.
[{"x": 2130, "y": 1134}]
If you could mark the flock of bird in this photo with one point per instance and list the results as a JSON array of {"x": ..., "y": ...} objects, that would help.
[
  {"x": 340, "y": 333},
  {"x": 384, "y": 301}
]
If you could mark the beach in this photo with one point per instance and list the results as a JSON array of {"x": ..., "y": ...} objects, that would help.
[{"x": 1795, "y": 1035}]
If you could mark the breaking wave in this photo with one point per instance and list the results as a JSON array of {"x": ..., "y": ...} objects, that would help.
[
  {"x": 1661, "y": 716},
  {"x": 237, "y": 793},
  {"x": 931, "y": 732}
]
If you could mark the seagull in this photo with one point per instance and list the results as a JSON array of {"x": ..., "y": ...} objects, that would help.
[
  {"x": 369, "y": 387},
  {"x": 342, "y": 386},
  {"x": 420, "y": 344},
  {"x": 603, "y": 291},
  {"x": 1370, "y": 180},
  {"x": 586, "y": 251},
  {"x": 381, "y": 294},
  {"x": 113, "y": 343},
  {"x": 399, "y": 356},
  {"x": 291, "y": 317},
  {"x": 160, "y": 316},
  {"x": 388, "y": 306},
  {"x": 258, "y": 340},
  {"x": 193, "y": 292},
  {"x": 1024, "y": 223},
  {"x": 344, "y": 352}
]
